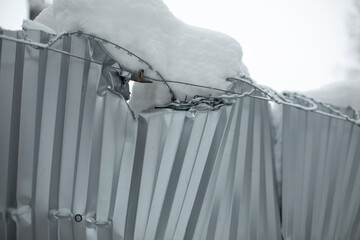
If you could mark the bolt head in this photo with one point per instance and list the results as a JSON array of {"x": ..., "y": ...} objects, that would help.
[{"x": 78, "y": 218}]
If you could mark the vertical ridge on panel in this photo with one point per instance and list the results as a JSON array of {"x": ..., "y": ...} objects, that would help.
[
  {"x": 82, "y": 135},
  {"x": 333, "y": 170},
  {"x": 14, "y": 140},
  {"x": 123, "y": 190},
  {"x": 284, "y": 164},
  {"x": 174, "y": 176},
  {"x": 40, "y": 85},
  {"x": 70, "y": 137},
  {"x": 120, "y": 127},
  {"x": 15, "y": 123},
  {"x": 271, "y": 201},
  {"x": 298, "y": 174},
  {"x": 325, "y": 199},
  {"x": 92, "y": 181},
  {"x": 245, "y": 198},
  {"x": 46, "y": 143},
  {"x": 91, "y": 76},
  {"x": 354, "y": 201},
  {"x": 262, "y": 231},
  {"x": 142, "y": 133},
  {"x": 101, "y": 172},
  {"x": 356, "y": 223},
  {"x": 58, "y": 137},
  {"x": 167, "y": 158},
  {"x": 232, "y": 201},
  {"x": 153, "y": 145},
  {"x": 27, "y": 138},
  {"x": 204, "y": 152},
  {"x": 225, "y": 181},
  {"x": 348, "y": 181},
  {"x": 7, "y": 83},
  {"x": 290, "y": 125},
  {"x": 262, "y": 214},
  {"x": 240, "y": 146},
  {"x": 207, "y": 203},
  {"x": 107, "y": 164},
  {"x": 320, "y": 175},
  {"x": 196, "y": 133},
  {"x": 203, "y": 212},
  {"x": 340, "y": 160},
  {"x": 255, "y": 175},
  {"x": 312, "y": 137}
]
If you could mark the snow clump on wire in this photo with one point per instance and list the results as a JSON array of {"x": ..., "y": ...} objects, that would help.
[{"x": 178, "y": 51}]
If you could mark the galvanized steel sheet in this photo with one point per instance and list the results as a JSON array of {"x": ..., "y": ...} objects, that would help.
[
  {"x": 321, "y": 176},
  {"x": 75, "y": 164}
]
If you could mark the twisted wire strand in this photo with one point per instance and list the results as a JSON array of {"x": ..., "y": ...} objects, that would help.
[
  {"x": 104, "y": 41},
  {"x": 256, "y": 91}
]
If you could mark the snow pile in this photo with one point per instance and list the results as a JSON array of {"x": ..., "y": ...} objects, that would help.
[
  {"x": 28, "y": 24},
  {"x": 178, "y": 51},
  {"x": 343, "y": 93}
]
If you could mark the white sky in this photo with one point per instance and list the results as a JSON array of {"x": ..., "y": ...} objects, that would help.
[{"x": 294, "y": 45}]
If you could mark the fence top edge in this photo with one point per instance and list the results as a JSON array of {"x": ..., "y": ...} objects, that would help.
[{"x": 253, "y": 90}]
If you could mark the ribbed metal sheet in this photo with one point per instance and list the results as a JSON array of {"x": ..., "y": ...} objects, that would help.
[
  {"x": 321, "y": 176},
  {"x": 75, "y": 164}
]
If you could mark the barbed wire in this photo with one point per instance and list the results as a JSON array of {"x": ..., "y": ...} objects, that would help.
[
  {"x": 104, "y": 41},
  {"x": 256, "y": 91}
]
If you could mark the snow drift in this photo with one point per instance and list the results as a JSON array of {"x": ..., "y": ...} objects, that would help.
[
  {"x": 178, "y": 51},
  {"x": 343, "y": 93}
]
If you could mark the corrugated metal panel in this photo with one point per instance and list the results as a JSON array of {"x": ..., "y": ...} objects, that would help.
[
  {"x": 75, "y": 164},
  {"x": 321, "y": 176}
]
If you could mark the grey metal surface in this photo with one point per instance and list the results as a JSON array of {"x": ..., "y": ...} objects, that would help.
[
  {"x": 321, "y": 176},
  {"x": 42, "y": 101},
  {"x": 75, "y": 164}
]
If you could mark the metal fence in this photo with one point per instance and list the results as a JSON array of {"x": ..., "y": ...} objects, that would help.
[
  {"x": 321, "y": 177},
  {"x": 76, "y": 164}
]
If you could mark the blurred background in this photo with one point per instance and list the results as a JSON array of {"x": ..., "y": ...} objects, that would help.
[{"x": 294, "y": 45}]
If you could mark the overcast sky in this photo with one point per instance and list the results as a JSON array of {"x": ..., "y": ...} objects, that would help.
[{"x": 295, "y": 45}]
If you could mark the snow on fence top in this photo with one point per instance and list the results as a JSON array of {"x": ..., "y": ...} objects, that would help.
[
  {"x": 178, "y": 51},
  {"x": 238, "y": 86}
]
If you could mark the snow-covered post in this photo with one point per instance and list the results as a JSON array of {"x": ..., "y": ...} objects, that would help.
[{"x": 35, "y": 7}]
